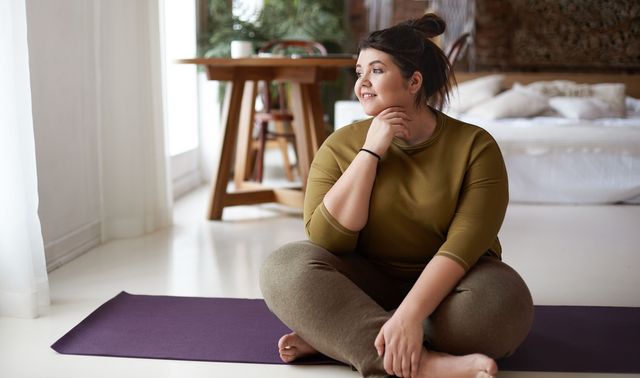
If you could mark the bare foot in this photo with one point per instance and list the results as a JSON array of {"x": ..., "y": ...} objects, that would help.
[
  {"x": 436, "y": 365},
  {"x": 291, "y": 347}
]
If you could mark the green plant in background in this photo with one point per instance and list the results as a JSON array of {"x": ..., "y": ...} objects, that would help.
[
  {"x": 322, "y": 21},
  {"x": 278, "y": 19},
  {"x": 222, "y": 27},
  {"x": 305, "y": 19}
]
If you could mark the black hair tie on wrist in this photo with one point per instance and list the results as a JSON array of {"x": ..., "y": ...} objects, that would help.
[{"x": 371, "y": 152}]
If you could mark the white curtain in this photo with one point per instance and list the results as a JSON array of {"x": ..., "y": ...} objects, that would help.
[
  {"x": 136, "y": 189},
  {"x": 24, "y": 288}
]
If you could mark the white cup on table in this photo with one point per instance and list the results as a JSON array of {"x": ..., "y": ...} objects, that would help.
[{"x": 241, "y": 49}]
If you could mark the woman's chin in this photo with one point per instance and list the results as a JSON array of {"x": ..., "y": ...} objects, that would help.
[{"x": 370, "y": 110}]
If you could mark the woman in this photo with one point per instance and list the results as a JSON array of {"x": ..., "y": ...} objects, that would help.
[{"x": 402, "y": 274}]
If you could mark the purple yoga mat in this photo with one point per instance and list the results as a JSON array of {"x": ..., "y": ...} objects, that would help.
[
  {"x": 563, "y": 338},
  {"x": 580, "y": 339},
  {"x": 180, "y": 328}
]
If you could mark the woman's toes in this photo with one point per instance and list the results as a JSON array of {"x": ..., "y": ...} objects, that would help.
[
  {"x": 291, "y": 346},
  {"x": 286, "y": 341},
  {"x": 287, "y": 357}
]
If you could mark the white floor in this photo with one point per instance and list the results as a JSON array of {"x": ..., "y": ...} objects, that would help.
[{"x": 567, "y": 254}]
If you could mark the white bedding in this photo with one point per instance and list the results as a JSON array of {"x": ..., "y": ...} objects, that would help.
[{"x": 560, "y": 160}]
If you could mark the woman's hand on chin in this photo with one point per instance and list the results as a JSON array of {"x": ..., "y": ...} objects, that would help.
[{"x": 390, "y": 122}]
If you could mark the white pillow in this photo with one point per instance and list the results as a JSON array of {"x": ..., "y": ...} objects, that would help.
[
  {"x": 582, "y": 107},
  {"x": 556, "y": 88},
  {"x": 613, "y": 94},
  {"x": 470, "y": 93},
  {"x": 516, "y": 102},
  {"x": 632, "y": 106}
]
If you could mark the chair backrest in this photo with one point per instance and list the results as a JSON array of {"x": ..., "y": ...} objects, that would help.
[
  {"x": 289, "y": 46},
  {"x": 458, "y": 48},
  {"x": 286, "y": 47}
]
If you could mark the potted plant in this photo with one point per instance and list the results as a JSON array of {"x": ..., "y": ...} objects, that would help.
[{"x": 222, "y": 27}]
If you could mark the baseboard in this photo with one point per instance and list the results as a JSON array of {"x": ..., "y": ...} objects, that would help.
[
  {"x": 186, "y": 183},
  {"x": 72, "y": 245},
  {"x": 185, "y": 172}
]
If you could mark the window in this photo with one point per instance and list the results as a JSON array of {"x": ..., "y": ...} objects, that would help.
[{"x": 181, "y": 79}]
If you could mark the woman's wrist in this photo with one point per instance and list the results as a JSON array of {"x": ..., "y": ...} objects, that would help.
[
  {"x": 371, "y": 152},
  {"x": 375, "y": 148},
  {"x": 410, "y": 312}
]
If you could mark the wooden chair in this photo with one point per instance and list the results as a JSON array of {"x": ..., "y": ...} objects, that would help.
[
  {"x": 276, "y": 112},
  {"x": 459, "y": 48}
]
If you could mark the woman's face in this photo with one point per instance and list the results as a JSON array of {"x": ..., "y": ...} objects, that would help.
[{"x": 380, "y": 83}]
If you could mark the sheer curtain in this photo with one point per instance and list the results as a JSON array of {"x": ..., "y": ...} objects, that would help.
[
  {"x": 136, "y": 187},
  {"x": 24, "y": 287}
]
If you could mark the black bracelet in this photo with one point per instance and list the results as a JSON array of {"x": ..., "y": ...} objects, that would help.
[{"x": 371, "y": 152}]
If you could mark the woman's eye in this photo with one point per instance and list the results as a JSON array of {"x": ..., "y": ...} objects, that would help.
[
  {"x": 377, "y": 70},
  {"x": 358, "y": 74}
]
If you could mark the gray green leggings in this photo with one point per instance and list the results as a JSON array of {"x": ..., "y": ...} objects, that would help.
[{"x": 339, "y": 303}]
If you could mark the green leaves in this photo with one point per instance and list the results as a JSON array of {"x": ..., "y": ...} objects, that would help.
[
  {"x": 222, "y": 28},
  {"x": 279, "y": 19},
  {"x": 303, "y": 19}
]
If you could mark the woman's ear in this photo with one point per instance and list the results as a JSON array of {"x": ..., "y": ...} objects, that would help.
[{"x": 415, "y": 82}]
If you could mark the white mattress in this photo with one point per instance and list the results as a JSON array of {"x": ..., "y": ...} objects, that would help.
[{"x": 558, "y": 160}]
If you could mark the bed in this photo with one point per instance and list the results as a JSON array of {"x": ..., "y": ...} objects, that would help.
[
  {"x": 571, "y": 156},
  {"x": 580, "y": 151}
]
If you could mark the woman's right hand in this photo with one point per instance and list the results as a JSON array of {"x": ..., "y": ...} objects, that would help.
[{"x": 388, "y": 123}]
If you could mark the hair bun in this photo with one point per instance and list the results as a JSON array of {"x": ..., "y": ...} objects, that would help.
[{"x": 431, "y": 25}]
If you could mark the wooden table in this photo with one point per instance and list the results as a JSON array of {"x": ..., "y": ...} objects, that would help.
[{"x": 304, "y": 76}]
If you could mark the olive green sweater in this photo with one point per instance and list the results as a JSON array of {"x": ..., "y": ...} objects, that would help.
[{"x": 446, "y": 196}]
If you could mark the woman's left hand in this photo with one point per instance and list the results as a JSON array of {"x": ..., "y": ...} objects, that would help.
[{"x": 400, "y": 341}]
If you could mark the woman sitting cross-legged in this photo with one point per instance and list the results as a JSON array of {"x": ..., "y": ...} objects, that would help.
[{"x": 402, "y": 274}]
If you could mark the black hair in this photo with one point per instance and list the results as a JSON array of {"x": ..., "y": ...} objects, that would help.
[{"x": 410, "y": 46}]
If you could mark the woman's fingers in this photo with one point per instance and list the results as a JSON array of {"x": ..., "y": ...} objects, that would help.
[
  {"x": 399, "y": 115},
  {"x": 415, "y": 363},
  {"x": 388, "y": 363},
  {"x": 406, "y": 367},
  {"x": 391, "y": 109},
  {"x": 379, "y": 343},
  {"x": 394, "y": 361},
  {"x": 400, "y": 361},
  {"x": 398, "y": 365},
  {"x": 396, "y": 123},
  {"x": 402, "y": 132},
  {"x": 390, "y": 122},
  {"x": 402, "y": 343},
  {"x": 393, "y": 112},
  {"x": 401, "y": 365}
]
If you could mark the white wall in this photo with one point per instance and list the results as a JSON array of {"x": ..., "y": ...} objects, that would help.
[{"x": 89, "y": 62}]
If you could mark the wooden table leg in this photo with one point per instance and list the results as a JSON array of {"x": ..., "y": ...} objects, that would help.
[
  {"x": 245, "y": 138},
  {"x": 309, "y": 124},
  {"x": 301, "y": 111},
  {"x": 316, "y": 116},
  {"x": 221, "y": 173}
]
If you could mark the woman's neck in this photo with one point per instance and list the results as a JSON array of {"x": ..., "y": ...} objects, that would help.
[{"x": 422, "y": 125}]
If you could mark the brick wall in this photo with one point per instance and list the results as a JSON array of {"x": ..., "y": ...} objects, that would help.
[
  {"x": 406, "y": 9},
  {"x": 540, "y": 35},
  {"x": 558, "y": 35}
]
